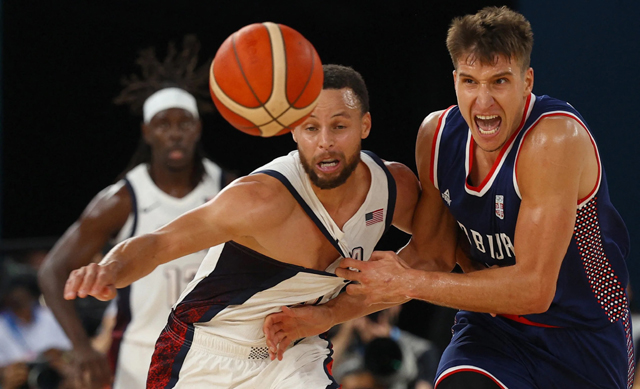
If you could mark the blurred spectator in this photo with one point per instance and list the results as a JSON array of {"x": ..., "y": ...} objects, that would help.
[
  {"x": 396, "y": 358},
  {"x": 359, "y": 379},
  {"x": 32, "y": 344}
]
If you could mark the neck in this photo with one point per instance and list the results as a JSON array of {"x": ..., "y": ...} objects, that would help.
[{"x": 174, "y": 183}]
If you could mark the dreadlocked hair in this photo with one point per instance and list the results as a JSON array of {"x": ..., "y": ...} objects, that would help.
[{"x": 178, "y": 69}]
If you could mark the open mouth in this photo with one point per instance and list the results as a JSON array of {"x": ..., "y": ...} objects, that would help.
[
  {"x": 488, "y": 124},
  {"x": 176, "y": 154},
  {"x": 328, "y": 165}
]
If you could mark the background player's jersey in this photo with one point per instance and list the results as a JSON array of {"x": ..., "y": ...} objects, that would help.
[
  {"x": 143, "y": 307},
  {"x": 236, "y": 287},
  {"x": 591, "y": 285}
]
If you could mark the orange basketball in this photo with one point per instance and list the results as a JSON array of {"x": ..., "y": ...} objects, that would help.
[{"x": 265, "y": 79}]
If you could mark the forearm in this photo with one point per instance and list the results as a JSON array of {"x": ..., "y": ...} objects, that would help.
[
  {"x": 346, "y": 307},
  {"x": 52, "y": 280},
  {"x": 498, "y": 290},
  {"x": 135, "y": 258}
]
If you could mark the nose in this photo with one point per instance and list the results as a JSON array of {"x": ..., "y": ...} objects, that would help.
[
  {"x": 485, "y": 97},
  {"x": 326, "y": 139},
  {"x": 175, "y": 132}
]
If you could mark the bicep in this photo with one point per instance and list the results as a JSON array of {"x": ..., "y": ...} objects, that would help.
[
  {"x": 407, "y": 195},
  {"x": 434, "y": 232},
  {"x": 546, "y": 219},
  {"x": 244, "y": 209}
]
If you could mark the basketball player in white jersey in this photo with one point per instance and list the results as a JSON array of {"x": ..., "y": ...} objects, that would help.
[
  {"x": 284, "y": 229},
  {"x": 168, "y": 176}
]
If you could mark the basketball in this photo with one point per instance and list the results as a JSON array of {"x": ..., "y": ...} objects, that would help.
[{"x": 265, "y": 79}]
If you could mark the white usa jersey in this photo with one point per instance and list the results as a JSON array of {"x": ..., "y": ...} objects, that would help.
[
  {"x": 144, "y": 306},
  {"x": 236, "y": 287}
]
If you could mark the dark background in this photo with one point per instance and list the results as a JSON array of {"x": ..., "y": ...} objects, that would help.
[{"x": 62, "y": 139}]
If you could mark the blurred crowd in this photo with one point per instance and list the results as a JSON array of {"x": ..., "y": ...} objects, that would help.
[{"x": 34, "y": 350}]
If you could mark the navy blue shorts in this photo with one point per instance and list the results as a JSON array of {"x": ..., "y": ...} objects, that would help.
[{"x": 522, "y": 356}]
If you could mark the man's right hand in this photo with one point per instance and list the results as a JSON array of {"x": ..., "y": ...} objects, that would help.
[
  {"x": 97, "y": 280},
  {"x": 283, "y": 328},
  {"x": 91, "y": 369}
]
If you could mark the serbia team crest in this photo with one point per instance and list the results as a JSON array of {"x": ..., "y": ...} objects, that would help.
[{"x": 500, "y": 206}]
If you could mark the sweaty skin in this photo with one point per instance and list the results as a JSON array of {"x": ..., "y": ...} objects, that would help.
[{"x": 558, "y": 151}]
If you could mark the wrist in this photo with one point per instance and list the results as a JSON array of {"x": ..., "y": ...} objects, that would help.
[
  {"x": 329, "y": 315},
  {"x": 81, "y": 345},
  {"x": 410, "y": 285}
]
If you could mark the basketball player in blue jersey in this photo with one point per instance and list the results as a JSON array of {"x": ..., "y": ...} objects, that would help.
[
  {"x": 168, "y": 175},
  {"x": 514, "y": 190},
  {"x": 283, "y": 230}
]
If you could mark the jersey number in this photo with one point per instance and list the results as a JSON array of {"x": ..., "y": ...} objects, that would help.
[
  {"x": 357, "y": 253},
  {"x": 177, "y": 279}
]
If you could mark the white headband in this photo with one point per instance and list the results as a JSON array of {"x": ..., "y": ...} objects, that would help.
[{"x": 169, "y": 98}]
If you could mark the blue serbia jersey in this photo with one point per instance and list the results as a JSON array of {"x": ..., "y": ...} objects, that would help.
[{"x": 591, "y": 285}]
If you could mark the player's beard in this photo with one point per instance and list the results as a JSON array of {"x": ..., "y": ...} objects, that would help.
[{"x": 337, "y": 180}]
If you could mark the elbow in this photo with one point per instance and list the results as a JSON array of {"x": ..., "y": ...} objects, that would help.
[
  {"x": 539, "y": 297},
  {"x": 45, "y": 273},
  {"x": 51, "y": 275},
  {"x": 422, "y": 257}
]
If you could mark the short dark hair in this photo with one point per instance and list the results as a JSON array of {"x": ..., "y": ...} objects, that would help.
[
  {"x": 340, "y": 76},
  {"x": 491, "y": 32}
]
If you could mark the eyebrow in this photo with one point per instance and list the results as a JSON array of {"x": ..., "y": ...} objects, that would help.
[
  {"x": 501, "y": 74},
  {"x": 341, "y": 113}
]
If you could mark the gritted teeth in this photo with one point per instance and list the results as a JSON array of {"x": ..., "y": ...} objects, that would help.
[{"x": 332, "y": 162}]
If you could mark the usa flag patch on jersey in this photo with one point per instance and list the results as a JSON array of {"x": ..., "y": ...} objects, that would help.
[
  {"x": 373, "y": 217},
  {"x": 500, "y": 206}
]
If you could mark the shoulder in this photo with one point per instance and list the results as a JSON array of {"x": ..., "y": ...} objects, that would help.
[
  {"x": 111, "y": 206},
  {"x": 257, "y": 199},
  {"x": 557, "y": 134},
  {"x": 401, "y": 174},
  {"x": 259, "y": 187},
  {"x": 424, "y": 142},
  {"x": 112, "y": 197},
  {"x": 560, "y": 152},
  {"x": 428, "y": 128}
]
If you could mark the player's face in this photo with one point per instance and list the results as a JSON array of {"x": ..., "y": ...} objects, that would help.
[
  {"x": 172, "y": 135},
  {"x": 492, "y": 99},
  {"x": 329, "y": 140}
]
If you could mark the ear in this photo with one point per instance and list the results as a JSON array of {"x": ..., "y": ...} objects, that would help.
[
  {"x": 146, "y": 132},
  {"x": 293, "y": 134},
  {"x": 366, "y": 126},
  {"x": 528, "y": 81},
  {"x": 198, "y": 129},
  {"x": 455, "y": 80}
]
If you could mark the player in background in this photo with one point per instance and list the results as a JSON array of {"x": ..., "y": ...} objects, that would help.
[
  {"x": 167, "y": 176},
  {"x": 517, "y": 179},
  {"x": 285, "y": 228}
]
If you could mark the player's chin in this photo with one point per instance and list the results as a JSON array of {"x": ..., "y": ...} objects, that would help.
[
  {"x": 329, "y": 181},
  {"x": 177, "y": 165}
]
